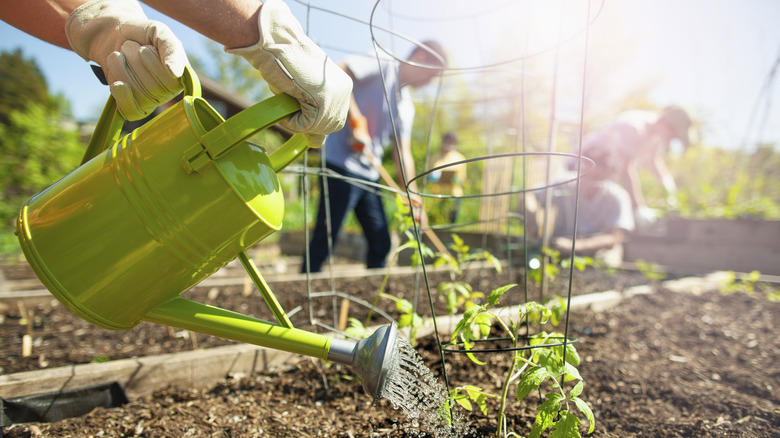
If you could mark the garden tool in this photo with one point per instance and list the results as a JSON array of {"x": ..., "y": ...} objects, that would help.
[
  {"x": 358, "y": 137},
  {"x": 388, "y": 179},
  {"x": 149, "y": 215}
]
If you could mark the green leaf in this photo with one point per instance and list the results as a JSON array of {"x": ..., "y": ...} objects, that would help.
[
  {"x": 417, "y": 320},
  {"x": 461, "y": 399},
  {"x": 464, "y": 289},
  {"x": 475, "y": 394},
  {"x": 567, "y": 426},
  {"x": 497, "y": 293},
  {"x": 536, "y": 312},
  {"x": 572, "y": 356},
  {"x": 464, "y": 325},
  {"x": 441, "y": 260},
  {"x": 457, "y": 240},
  {"x": 355, "y": 329},
  {"x": 452, "y": 302},
  {"x": 404, "y": 306},
  {"x": 577, "y": 390},
  {"x": 570, "y": 370},
  {"x": 465, "y": 395},
  {"x": 493, "y": 261},
  {"x": 405, "y": 320},
  {"x": 585, "y": 409},
  {"x": 557, "y": 310},
  {"x": 468, "y": 346},
  {"x": 484, "y": 322},
  {"x": 546, "y": 413},
  {"x": 531, "y": 381}
]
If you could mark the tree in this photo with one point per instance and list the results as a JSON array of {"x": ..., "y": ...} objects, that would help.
[
  {"x": 21, "y": 82},
  {"x": 39, "y": 144}
]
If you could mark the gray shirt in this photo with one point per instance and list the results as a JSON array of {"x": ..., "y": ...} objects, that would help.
[
  {"x": 604, "y": 208},
  {"x": 372, "y": 90}
]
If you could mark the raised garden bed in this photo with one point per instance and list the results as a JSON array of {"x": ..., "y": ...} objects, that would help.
[{"x": 663, "y": 364}]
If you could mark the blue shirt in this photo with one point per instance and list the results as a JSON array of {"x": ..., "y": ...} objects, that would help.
[{"x": 373, "y": 89}]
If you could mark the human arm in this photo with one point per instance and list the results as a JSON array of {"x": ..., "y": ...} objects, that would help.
[
  {"x": 234, "y": 25},
  {"x": 269, "y": 37},
  {"x": 141, "y": 59},
  {"x": 117, "y": 35},
  {"x": 588, "y": 245},
  {"x": 44, "y": 19},
  {"x": 660, "y": 171},
  {"x": 633, "y": 185}
]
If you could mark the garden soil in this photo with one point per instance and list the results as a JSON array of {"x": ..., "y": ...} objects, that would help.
[{"x": 664, "y": 364}]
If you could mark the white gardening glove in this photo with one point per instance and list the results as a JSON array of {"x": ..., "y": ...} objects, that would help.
[
  {"x": 142, "y": 59},
  {"x": 292, "y": 64},
  {"x": 645, "y": 217}
]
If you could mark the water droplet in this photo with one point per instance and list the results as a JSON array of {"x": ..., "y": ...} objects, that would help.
[{"x": 413, "y": 387}]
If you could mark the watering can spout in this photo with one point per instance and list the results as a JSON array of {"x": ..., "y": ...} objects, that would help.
[{"x": 370, "y": 358}]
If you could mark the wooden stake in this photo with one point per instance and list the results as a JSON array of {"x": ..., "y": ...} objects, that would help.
[
  {"x": 344, "y": 315},
  {"x": 26, "y": 319}
]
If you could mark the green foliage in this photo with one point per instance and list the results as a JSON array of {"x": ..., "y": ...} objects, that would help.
[
  {"x": 37, "y": 148},
  {"x": 100, "y": 359},
  {"x": 548, "y": 367},
  {"x": 408, "y": 317},
  {"x": 554, "y": 264},
  {"x": 650, "y": 270},
  {"x": 749, "y": 285},
  {"x": 458, "y": 293},
  {"x": 38, "y": 142},
  {"x": 21, "y": 84},
  {"x": 718, "y": 183}
]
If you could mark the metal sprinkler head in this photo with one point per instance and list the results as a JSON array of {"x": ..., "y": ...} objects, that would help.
[{"x": 370, "y": 358}]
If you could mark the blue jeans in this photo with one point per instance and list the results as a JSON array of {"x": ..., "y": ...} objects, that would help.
[{"x": 367, "y": 205}]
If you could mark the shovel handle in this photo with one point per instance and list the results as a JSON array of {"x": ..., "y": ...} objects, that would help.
[{"x": 392, "y": 184}]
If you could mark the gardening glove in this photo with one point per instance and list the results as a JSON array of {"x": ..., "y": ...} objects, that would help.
[
  {"x": 292, "y": 64},
  {"x": 645, "y": 217},
  {"x": 359, "y": 137},
  {"x": 142, "y": 59},
  {"x": 416, "y": 209}
]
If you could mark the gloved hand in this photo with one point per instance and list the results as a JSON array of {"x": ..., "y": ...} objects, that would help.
[
  {"x": 416, "y": 210},
  {"x": 359, "y": 137},
  {"x": 645, "y": 217},
  {"x": 142, "y": 59},
  {"x": 291, "y": 63}
]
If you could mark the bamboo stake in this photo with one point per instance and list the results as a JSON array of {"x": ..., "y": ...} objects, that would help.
[{"x": 344, "y": 315}]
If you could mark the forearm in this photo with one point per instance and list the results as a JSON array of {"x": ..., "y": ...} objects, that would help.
[
  {"x": 587, "y": 245},
  {"x": 635, "y": 187},
  {"x": 44, "y": 19},
  {"x": 232, "y": 23}
]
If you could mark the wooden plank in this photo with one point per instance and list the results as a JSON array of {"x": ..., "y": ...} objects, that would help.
[
  {"x": 743, "y": 232},
  {"x": 709, "y": 255},
  {"x": 142, "y": 376},
  {"x": 201, "y": 368}
]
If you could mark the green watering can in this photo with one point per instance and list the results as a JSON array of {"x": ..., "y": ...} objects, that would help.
[{"x": 148, "y": 216}]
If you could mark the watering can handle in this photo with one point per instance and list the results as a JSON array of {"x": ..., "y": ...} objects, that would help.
[
  {"x": 220, "y": 139},
  {"x": 109, "y": 125}
]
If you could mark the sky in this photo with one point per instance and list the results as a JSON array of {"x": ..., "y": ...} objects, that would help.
[{"x": 713, "y": 57}]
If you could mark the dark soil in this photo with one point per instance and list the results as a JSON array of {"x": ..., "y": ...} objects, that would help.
[{"x": 660, "y": 365}]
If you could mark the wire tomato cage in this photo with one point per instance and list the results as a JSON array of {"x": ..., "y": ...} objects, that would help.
[{"x": 513, "y": 89}]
